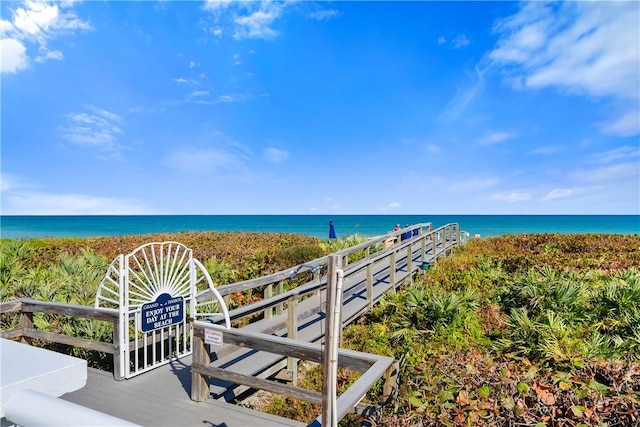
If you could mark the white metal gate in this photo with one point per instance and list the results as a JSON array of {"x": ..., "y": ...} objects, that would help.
[{"x": 157, "y": 288}]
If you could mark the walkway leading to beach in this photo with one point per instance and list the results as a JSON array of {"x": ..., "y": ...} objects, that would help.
[{"x": 264, "y": 353}]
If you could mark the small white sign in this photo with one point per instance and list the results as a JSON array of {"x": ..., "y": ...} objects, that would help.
[{"x": 212, "y": 337}]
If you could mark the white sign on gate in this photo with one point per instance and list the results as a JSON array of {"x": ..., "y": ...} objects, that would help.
[{"x": 213, "y": 337}]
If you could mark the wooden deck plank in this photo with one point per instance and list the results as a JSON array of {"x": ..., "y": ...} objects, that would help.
[{"x": 162, "y": 398}]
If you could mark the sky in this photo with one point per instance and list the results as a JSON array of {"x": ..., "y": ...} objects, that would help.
[{"x": 301, "y": 107}]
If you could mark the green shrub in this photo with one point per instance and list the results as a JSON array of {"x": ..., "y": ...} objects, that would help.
[{"x": 299, "y": 254}]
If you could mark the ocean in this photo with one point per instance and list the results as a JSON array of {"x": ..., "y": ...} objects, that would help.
[{"x": 18, "y": 227}]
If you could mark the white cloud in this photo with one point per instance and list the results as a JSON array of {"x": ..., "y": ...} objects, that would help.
[
  {"x": 198, "y": 93},
  {"x": 627, "y": 124},
  {"x": 464, "y": 96},
  {"x": 235, "y": 97},
  {"x": 20, "y": 197},
  {"x": 236, "y": 59},
  {"x": 216, "y": 5},
  {"x": 97, "y": 128},
  {"x": 557, "y": 193},
  {"x": 245, "y": 19},
  {"x": 442, "y": 40},
  {"x": 583, "y": 48},
  {"x": 36, "y": 23},
  {"x": 257, "y": 25},
  {"x": 5, "y": 27},
  {"x": 492, "y": 138},
  {"x": 460, "y": 41},
  {"x": 275, "y": 155},
  {"x": 609, "y": 174},
  {"x": 324, "y": 15},
  {"x": 14, "y": 56},
  {"x": 394, "y": 205},
  {"x": 52, "y": 54},
  {"x": 38, "y": 203},
  {"x": 9, "y": 181},
  {"x": 205, "y": 161},
  {"x": 546, "y": 149},
  {"x": 511, "y": 197},
  {"x": 183, "y": 81},
  {"x": 626, "y": 152},
  {"x": 472, "y": 184}
]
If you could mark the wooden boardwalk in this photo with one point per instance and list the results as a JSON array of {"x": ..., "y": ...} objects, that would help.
[
  {"x": 311, "y": 315},
  {"x": 163, "y": 396}
]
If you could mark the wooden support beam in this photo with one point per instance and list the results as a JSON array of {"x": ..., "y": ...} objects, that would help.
[
  {"x": 392, "y": 269},
  {"x": 200, "y": 388},
  {"x": 268, "y": 293},
  {"x": 256, "y": 383},
  {"x": 292, "y": 333},
  {"x": 390, "y": 387},
  {"x": 280, "y": 290},
  {"x": 34, "y": 306},
  {"x": 72, "y": 341},
  {"x": 25, "y": 323},
  {"x": 370, "y": 285},
  {"x": 299, "y": 349}
]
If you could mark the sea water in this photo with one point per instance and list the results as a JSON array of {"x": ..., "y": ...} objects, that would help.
[{"x": 17, "y": 227}]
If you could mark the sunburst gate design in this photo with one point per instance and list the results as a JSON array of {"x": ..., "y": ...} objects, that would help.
[{"x": 155, "y": 272}]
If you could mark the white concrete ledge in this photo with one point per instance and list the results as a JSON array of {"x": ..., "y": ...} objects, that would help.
[
  {"x": 51, "y": 412},
  {"x": 26, "y": 367}
]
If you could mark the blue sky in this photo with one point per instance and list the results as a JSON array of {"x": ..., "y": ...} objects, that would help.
[{"x": 300, "y": 107}]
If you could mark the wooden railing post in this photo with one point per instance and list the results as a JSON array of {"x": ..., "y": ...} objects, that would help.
[
  {"x": 409, "y": 259},
  {"x": 268, "y": 293},
  {"x": 25, "y": 322},
  {"x": 200, "y": 388},
  {"x": 392, "y": 269},
  {"x": 292, "y": 333},
  {"x": 434, "y": 244},
  {"x": 280, "y": 290},
  {"x": 370, "y": 286},
  {"x": 316, "y": 276},
  {"x": 423, "y": 245},
  {"x": 390, "y": 386}
]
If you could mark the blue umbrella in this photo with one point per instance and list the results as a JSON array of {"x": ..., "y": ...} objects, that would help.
[{"x": 332, "y": 230}]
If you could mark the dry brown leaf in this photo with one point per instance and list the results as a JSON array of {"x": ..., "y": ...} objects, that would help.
[
  {"x": 463, "y": 398},
  {"x": 545, "y": 394}
]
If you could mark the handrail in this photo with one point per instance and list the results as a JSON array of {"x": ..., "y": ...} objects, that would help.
[
  {"x": 25, "y": 331},
  {"x": 373, "y": 367},
  {"x": 284, "y": 274},
  {"x": 318, "y": 284}
]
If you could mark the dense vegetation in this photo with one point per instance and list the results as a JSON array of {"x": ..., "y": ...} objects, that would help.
[
  {"x": 515, "y": 330},
  {"x": 70, "y": 271}
]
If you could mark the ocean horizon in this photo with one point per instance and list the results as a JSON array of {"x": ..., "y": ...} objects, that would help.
[{"x": 80, "y": 226}]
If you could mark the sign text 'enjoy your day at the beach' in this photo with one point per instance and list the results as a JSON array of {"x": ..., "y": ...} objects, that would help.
[{"x": 164, "y": 311}]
